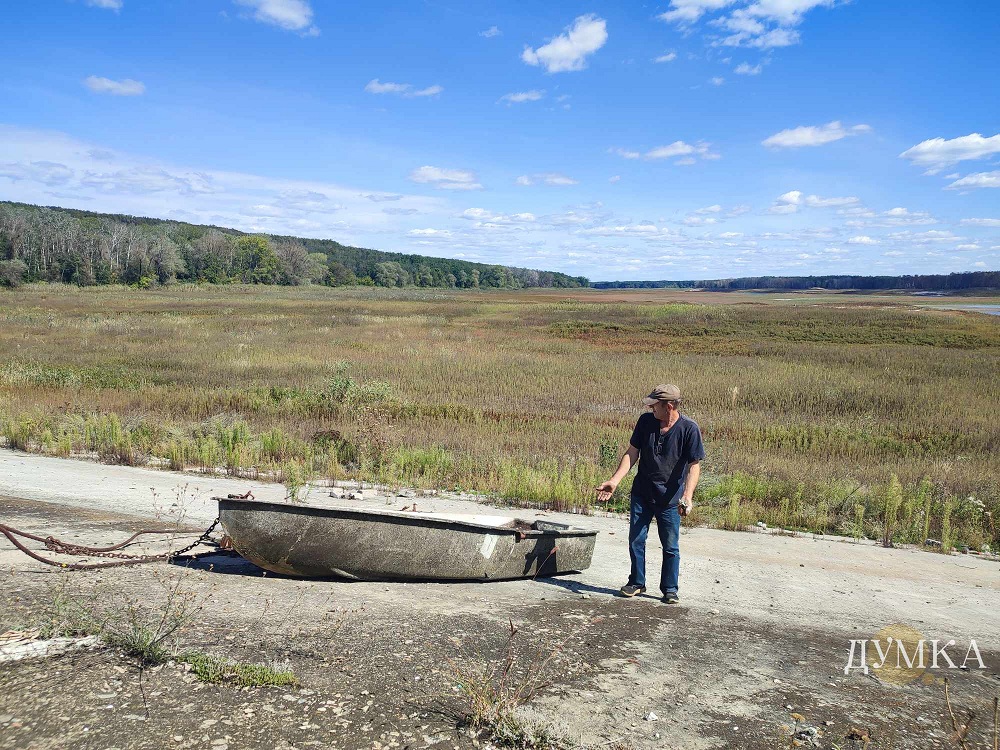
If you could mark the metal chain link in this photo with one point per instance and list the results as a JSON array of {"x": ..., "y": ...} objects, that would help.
[
  {"x": 121, "y": 558},
  {"x": 61, "y": 547},
  {"x": 205, "y": 537}
]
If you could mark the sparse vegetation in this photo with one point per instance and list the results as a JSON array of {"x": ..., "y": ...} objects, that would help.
[
  {"x": 808, "y": 410},
  {"x": 494, "y": 689},
  {"x": 149, "y": 633},
  {"x": 66, "y": 614},
  {"x": 220, "y": 670}
]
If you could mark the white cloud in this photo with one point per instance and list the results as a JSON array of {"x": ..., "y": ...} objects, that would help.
[
  {"x": 558, "y": 179},
  {"x": 685, "y": 12},
  {"x": 668, "y": 57},
  {"x": 115, "y": 5},
  {"x": 977, "y": 180},
  {"x": 762, "y": 24},
  {"x": 429, "y": 91},
  {"x": 938, "y": 153},
  {"x": 786, "y": 12},
  {"x": 126, "y": 87},
  {"x": 45, "y": 172},
  {"x": 642, "y": 230},
  {"x": 766, "y": 24},
  {"x": 815, "y": 201},
  {"x": 625, "y": 153},
  {"x": 981, "y": 222},
  {"x": 519, "y": 97},
  {"x": 429, "y": 232},
  {"x": 50, "y": 168},
  {"x": 862, "y": 239},
  {"x": 968, "y": 246},
  {"x": 813, "y": 135},
  {"x": 579, "y": 216},
  {"x": 491, "y": 32},
  {"x": 147, "y": 179},
  {"x": 446, "y": 179},
  {"x": 752, "y": 33},
  {"x": 553, "y": 179},
  {"x": 290, "y": 15},
  {"x": 714, "y": 209},
  {"x": 569, "y": 51},
  {"x": 308, "y": 200},
  {"x": 790, "y": 202},
  {"x": 717, "y": 80},
  {"x": 741, "y": 23},
  {"x": 746, "y": 69},
  {"x": 924, "y": 238},
  {"x": 375, "y": 86},
  {"x": 899, "y": 217},
  {"x": 688, "y": 152},
  {"x": 615, "y": 178},
  {"x": 773, "y": 38},
  {"x": 484, "y": 219}
]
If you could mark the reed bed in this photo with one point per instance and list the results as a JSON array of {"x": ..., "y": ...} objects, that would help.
[{"x": 809, "y": 411}]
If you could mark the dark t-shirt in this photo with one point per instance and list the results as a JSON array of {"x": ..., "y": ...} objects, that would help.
[{"x": 664, "y": 459}]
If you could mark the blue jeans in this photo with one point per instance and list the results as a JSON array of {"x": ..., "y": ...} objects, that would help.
[{"x": 668, "y": 526}]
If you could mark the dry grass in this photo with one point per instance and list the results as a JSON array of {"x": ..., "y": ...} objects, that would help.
[
  {"x": 807, "y": 409},
  {"x": 493, "y": 690}
]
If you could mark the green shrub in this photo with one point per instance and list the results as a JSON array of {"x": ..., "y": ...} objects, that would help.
[{"x": 219, "y": 670}]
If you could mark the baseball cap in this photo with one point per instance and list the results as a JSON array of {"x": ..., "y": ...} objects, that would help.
[{"x": 665, "y": 392}]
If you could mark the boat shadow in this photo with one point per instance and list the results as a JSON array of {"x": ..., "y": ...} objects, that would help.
[
  {"x": 224, "y": 563},
  {"x": 231, "y": 563}
]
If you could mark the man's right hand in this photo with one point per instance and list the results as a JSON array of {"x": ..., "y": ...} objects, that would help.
[{"x": 605, "y": 491}]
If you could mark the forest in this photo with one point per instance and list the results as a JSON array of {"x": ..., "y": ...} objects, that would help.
[
  {"x": 977, "y": 280},
  {"x": 87, "y": 249}
]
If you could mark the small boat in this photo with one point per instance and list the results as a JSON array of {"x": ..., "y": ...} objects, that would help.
[{"x": 321, "y": 541}]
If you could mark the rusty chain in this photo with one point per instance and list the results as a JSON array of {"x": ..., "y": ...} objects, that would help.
[
  {"x": 60, "y": 547},
  {"x": 118, "y": 558}
]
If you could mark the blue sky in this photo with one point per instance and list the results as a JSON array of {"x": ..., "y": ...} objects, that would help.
[{"x": 673, "y": 140}]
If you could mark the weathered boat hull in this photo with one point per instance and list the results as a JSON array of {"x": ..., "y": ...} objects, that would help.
[{"x": 320, "y": 542}]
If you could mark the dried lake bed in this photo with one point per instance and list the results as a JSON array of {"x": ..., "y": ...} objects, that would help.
[{"x": 763, "y": 631}]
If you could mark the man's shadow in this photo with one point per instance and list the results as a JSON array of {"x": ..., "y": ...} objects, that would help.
[{"x": 577, "y": 587}]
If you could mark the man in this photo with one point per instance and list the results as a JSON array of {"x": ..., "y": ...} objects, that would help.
[{"x": 668, "y": 448}]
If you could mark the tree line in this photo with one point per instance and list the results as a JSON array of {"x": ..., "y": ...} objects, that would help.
[
  {"x": 924, "y": 282},
  {"x": 86, "y": 248}
]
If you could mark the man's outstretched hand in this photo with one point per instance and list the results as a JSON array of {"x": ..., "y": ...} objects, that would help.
[{"x": 605, "y": 491}]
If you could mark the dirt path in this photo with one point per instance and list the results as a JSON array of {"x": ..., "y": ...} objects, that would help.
[{"x": 766, "y": 622}]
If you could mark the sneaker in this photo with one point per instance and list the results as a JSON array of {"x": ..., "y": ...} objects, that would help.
[
  {"x": 629, "y": 590},
  {"x": 671, "y": 598}
]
